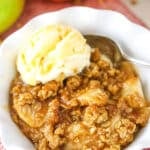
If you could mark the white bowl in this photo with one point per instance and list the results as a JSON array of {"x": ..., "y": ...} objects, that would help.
[{"x": 133, "y": 38}]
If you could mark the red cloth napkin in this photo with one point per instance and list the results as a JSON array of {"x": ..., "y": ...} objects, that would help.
[{"x": 34, "y": 8}]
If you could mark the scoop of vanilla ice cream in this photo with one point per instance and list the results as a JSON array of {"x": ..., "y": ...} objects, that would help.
[{"x": 53, "y": 53}]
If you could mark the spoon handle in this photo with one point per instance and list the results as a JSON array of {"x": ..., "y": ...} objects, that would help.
[{"x": 138, "y": 62}]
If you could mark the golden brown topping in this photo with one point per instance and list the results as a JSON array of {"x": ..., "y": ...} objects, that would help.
[
  {"x": 73, "y": 82},
  {"x": 95, "y": 115},
  {"x": 100, "y": 108},
  {"x": 48, "y": 90}
]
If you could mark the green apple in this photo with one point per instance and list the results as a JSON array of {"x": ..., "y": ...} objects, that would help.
[{"x": 10, "y": 10}]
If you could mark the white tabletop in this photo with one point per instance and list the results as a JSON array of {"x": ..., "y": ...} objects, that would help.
[{"x": 141, "y": 9}]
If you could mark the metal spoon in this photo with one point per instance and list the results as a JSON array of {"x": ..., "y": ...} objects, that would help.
[{"x": 111, "y": 49}]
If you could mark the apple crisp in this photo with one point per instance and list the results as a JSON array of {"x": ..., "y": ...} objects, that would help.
[{"x": 101, "y": 108}]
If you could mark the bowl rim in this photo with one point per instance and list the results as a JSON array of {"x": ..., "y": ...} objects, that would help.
[{"x": 68, "y": 9}]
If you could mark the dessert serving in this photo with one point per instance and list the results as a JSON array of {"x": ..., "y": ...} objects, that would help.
[{"x": 75, "y": 92}]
